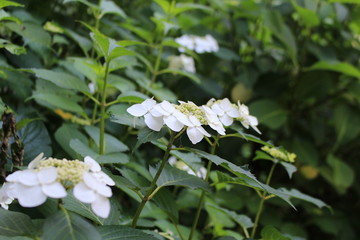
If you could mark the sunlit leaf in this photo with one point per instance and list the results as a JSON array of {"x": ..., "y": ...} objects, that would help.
[{"x": 341, "y": 67}]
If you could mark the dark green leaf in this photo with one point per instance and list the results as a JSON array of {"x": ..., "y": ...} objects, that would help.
[
  {"x": 67, "y": 225},
  {"x": 171, "y": 176},
  {"x": 15, "y": 224},
  {"x": 147, "y": 135},
  {"x": 165, "y": 200},
  {"x": 271, "y": 233},
  {"x": 294, "y": 193},
  {"x": 123, "y": 233}
]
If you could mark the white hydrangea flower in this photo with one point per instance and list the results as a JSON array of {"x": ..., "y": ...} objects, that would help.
[
  {"x": 195, "y": 131},
  {"x": 225, "y": 110},
  {"x": 5, "y": 195},
  {"x": 172, "y": 117},
  {"x": 213, "y": 120},
  {"x": 153, "y": 119},
  {"x": 32, "y": 188},
  {"x": 198, "y": 44},
  {"x": 94, "y": 189},
  {"x": 180, "y": 165},
  {"x": 186, "y": 41},
  {"x": 182, "y": 62},
  {"x": 246, "y": 119}
]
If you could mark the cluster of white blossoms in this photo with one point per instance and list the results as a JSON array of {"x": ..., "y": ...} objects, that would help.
[
  {"x": 182, "y": 62},
  {"x": 216, "y": 114},
  {"x": 180, "y": 165},
  {"x": 198, "y": 44},
  {"x": 51, "y": 177}
]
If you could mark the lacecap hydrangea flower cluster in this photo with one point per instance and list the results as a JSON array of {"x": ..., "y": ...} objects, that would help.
[
  {"x": 217, "y": 114},
  {"x": 198, "y": 44},
  {"x": 51, "y": 177}
]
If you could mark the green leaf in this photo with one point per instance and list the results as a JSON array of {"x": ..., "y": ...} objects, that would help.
[
  {"x": 290, "y": 168},
  {"x": 147, "y": 135},
  {"x": 294, "y": 193},
  {"x": 74, "y": 205},
  {"x": 165, "y": 200},
  {"x": 345, "y": 121},
  {"x": 12, "y": 48},
  {"x": 6, "y": 3},
  {"x": 84, "y": 150},
  {"x": 65, "y": 133},
  {"x": 67, "y": 225},
  {"x": 189, "y": 75},
  {"x": 275, "y": 22},
  {"x": 112, "y": 144},
  {"x": 183, "y": 7},
  {"x": 123, "y": 233},
  {"x": 271, "y": 233},
  {"x": 58, "y": 101},
  {"x": 245, "y": 181},
  {"x": 121, "y": 116},
  {"x": 239, "y": 171},
  {"x": 23, "y": 122},
  {"x": 268, "y": 113},
  {"x": 243, "y": 220},
  {"x": 339, "y": 174},
  {"x": 132, "y": 97},
  {"x": 61, "y": 79},
  {"x": 15, "y": 224},
  {"x": 309, "y": 17},
  {"x": 108, "y": 6},
  {"x": 146, "y": 35},
  {"x": 36, "y": 140},
  {"x": 31, "y": 32},
  {"x": 171, "y": 176},
  {"x": 340, "y": 67}
]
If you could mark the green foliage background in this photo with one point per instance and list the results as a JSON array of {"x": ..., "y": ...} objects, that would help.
[{"x": 295, "y": 63}]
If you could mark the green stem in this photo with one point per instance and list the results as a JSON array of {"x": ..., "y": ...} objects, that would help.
[
  {"x": 157, "y": 65},
  {"x": 202, "y": 196},
  {"x": 103, "y": 110},
  {"x": 152, "y": 187},
  {"x": 261, "y": 205}
]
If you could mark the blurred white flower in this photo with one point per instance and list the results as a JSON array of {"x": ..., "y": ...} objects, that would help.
[
  {"x": 181, "y": 165},
  {"x": 153, "y": 119},
  {"x": 5, "y": 195},
  {"x": 182, "y": 62},
  {"x": 225, "y": 110},
  {"x": 246, "y": 119},
  {"x": 91, "y": 87},
  {"x": 198, "y": 44},
  {"x": 32, "y": 187}
]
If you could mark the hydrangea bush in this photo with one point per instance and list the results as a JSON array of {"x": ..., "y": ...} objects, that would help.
[{"x": 144, "y": 138}]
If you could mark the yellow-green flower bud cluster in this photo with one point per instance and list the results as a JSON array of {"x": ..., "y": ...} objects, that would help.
[
  {"x": 279, "y": 154},
  {"x": 190, "y": 108},
  {"x": 68, "y": 170}
]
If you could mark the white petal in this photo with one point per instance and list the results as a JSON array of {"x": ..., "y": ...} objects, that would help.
[
  {"x": 217, "y": 109},
  {"x": 194, "y": 121},
  {"x": 203, "y": 131},
  {"x": 28, "y": 177},
  {"x": 148, "y": 104},
  {"x": 226, "y": 120},
  {"x": 104, "y": 178},
  {"x": 95, "y": 167},
  {"x": 233, "y": 112},
  {"x": 182, "y": 118},
  {"x": 101, "y": 206},
  {"x": 154, "y": 123},
  {"x": 137, "y": 110},
  {"x": 47, "y": 175},
  {"x": 36, "y": 160},
  {"x": 30, "y": 196},
  {"x": 194, "y": 135},
  {"x": 13, "y": 177},
  {"x": 54, "y": 190},
  {"x": 168, "y": 107},
  {"x": 83, "y": 193},
  {"x": 172, "y": 122},
  {"x": 92, "y": 183}
]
